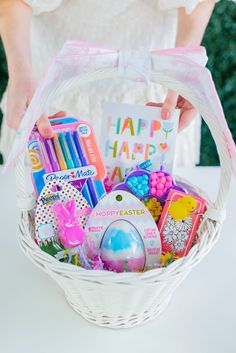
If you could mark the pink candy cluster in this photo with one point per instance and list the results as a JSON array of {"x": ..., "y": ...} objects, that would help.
[{"x": 160, "y": 183}]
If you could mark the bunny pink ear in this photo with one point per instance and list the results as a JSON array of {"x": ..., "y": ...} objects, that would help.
[
  {"x": 71, "y": 207},
  {"x": 61, "y": 211},
  {"x": 57, "y": 210}
]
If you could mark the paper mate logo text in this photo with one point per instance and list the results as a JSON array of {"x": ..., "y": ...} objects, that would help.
[
  {"x": 71, "y": 174},
  {"x": 50, "y": 198}
]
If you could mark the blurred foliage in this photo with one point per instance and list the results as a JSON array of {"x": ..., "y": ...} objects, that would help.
[
  {"x": 3, "y": 79},
  {"x": 220, "y": 41}
]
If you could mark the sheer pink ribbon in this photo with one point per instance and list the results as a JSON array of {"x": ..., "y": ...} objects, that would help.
[{"x": 76, "y": 58}]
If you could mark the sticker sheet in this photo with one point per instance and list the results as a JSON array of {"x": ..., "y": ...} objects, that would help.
[{"x": 179, "y": 222}]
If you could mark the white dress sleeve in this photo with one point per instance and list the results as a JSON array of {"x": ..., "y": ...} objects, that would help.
[
  {"x": 189, "y": 5},
  {"x": 40, "y": 6}
]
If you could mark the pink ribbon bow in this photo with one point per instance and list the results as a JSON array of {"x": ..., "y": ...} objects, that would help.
[{"x": 78, "y": 58}]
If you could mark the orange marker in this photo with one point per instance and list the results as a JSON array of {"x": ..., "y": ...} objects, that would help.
[{"x": 59, "y": 153}]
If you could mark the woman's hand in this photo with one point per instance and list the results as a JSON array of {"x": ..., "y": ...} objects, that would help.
[
  {"x": 191, "y": 28},
  {"x": 173, "y": 101},
  {"x": 21, "y": 88},
  {"x": 19, "y": 94},
  {"x": 15, "y": 17}
]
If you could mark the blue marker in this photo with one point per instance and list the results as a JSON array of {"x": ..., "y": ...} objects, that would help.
[
  {"x": 100, "y": 189},
  {"x": 66, "y": 151},
  {"x": 84, "y": 163},
  {"x": 73, "y": 150},
  {"x": 77, "y": 164}
]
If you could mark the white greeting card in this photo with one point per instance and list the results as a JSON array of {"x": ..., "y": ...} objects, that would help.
[{"x": 134, "y": 133}]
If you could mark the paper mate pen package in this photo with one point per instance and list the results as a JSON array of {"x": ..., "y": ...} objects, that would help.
[{"x": 71, "y": 155}]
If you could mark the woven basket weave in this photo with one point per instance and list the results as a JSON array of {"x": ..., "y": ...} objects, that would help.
[{"x": 126, "y": 299}]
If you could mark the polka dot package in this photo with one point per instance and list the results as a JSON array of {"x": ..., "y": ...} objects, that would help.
[{"x": 56, "y": 191}]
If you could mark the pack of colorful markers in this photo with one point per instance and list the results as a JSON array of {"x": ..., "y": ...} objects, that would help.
[{"x": 114, "y": 205}]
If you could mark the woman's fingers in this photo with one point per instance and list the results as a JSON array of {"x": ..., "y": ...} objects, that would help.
[
  {"x": 169, "y": 104},
  {"x": 152, "y": 104},
  {"x": 60, "y": 114},
  {"x": 172, "y": 101},
  {"x": 44, "y": 126},
  {"x": 186, "y": 117},
  {"x": 20, "y": 93}
]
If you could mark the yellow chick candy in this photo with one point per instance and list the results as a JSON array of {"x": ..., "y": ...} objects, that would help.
[
  {"x": 154, "y": 207},
  {"x": 182, "y": 208}
]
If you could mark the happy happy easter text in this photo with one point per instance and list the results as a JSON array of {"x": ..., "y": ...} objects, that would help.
[{"x": 130, "y": 140}]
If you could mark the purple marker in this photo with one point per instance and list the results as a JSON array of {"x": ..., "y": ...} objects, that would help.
[
  {"x": 44, "y": 155},
  {"x": 52, "y": 155}
]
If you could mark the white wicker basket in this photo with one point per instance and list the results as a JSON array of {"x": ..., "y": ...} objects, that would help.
[{"x": 127, "y": 299}]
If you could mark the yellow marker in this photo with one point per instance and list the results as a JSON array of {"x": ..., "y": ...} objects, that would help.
[{"x": 59, "y": 153}]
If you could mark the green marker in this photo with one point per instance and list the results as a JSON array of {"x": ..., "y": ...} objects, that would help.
[{"x": 66, "y": 152}]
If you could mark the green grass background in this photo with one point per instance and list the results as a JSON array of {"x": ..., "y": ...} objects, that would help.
[{"x": 220, "y": 42}]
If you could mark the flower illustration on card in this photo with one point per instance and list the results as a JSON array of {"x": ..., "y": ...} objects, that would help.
[{"x": 168, "y": 126}]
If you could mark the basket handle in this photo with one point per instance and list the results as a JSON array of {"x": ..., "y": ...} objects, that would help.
[
  {"x": 217, "y": 209},
  {"x": 25, "y": 200}
]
